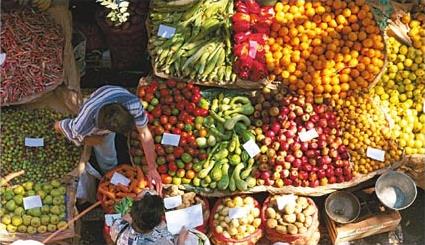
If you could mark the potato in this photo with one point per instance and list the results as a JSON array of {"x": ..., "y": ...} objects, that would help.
[
  {"x": 303, "y": 202},
  {"x": 250, "y": 219},
  {"x": 281, "y": 229},
  {"x": 217, "y": 216},
  {"x": 292, "y": 229},
  {"x": 308, "y": 221},
  {"x": 280, "y": 221},
  {"x": 310, "y": 210},
  {"x": 256, "y": 222},
  {"x": 243, "y": 221},
  {"x": 255, "y": 212},
  {"x": 219, "y": 229},
  {"x": 271, "y": 213},
  {"x": 289, "y": 208},
  {"x": 271, "y": 223},
  {"x": 300, "y": 217},
  {"x": 226, "y": 234},
  {"x": 302, "y": 230},
  {"x": 290, "y": 218},
  {"x": 278, "y": 216},
  {"x": 227, "y": 219},
  {"x": 240, "y": 236},
  {"x": 242, "y": 229},
  {"x": 250, "y": 229},
  {"x": 224, "y": 225},
  {"x": 235, "y": 223},
  {"x": 298, "y": 208},
  {"x": 298, "y": 224},
  {"x": 233, "y": 231},
  {"x": 249, "y": 200}
]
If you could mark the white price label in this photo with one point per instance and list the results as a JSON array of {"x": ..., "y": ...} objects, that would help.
[
  {"x": 252, "y": 148},
  {"x": 252, "y": 52},
  {"x": 308, "y": 135},
  {"x": 375, "y": 154},
  {"x": 2, "y": 58},
  {"x": 170, "y": 139},
  {"x": 32, "y": 202},
  {"x": 172, "y": 202},
  {"x": 190, "y": 217},
  {"x": 283, "y": 200},
  {"x": 34, "y": 142},
  {"x": 166, "y": 31},
  {"x": 236, "y": 213},
  {"x": 110, "y": 218},
  {"x": 118, "y": 178}
]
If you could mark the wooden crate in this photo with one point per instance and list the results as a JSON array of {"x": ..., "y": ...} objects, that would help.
[{"x": 376, "y": 224}]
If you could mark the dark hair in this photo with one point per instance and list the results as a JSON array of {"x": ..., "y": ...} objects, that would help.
[
  {"x": 116, "y": 118},
  {"x": 147, "y": 212}
]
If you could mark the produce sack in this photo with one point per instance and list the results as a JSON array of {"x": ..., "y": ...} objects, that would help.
[
  {"x": 190, "y": 199},
  {"x": 48, "y": 70},
  {"x": 296, "y": 222},
  {"x": 245, "y": 211},
  {"x": 122, "y": 181}
]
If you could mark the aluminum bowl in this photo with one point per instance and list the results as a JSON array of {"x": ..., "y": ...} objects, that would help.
[
  {"x": 342, "y": 207},
  {"x": 396, "y": 190}
]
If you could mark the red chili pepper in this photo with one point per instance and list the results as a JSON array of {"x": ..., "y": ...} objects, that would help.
[
  {"x": 241, "y": 22},
  {"x": 253, "y": 6},
  {"x": 241, "y": 37},
  {"x": 241, "y": 49},
  {"x": 241, "y": 7}
]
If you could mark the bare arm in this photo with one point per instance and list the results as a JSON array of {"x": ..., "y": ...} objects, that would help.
[{"x": 146, "y": 138}]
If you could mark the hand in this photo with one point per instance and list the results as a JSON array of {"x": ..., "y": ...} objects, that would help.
[
  {"x": 57, "y": 127},
  {"x": 182, "y": 236},
  {"x": 93, "y": 140},
  {"x": 153, "y": 175},
  {"x": 127, "y": 218}
]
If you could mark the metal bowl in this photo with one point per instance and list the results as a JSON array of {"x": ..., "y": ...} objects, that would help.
[
  {"x": 396, "y": 190},
  {"x": 342, "y": 207}
]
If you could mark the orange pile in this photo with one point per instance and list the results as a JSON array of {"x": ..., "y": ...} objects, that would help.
[{"x": 324, "y": 48}]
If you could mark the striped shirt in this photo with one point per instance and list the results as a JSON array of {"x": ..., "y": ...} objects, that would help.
[{"x": 85, "y": 124}]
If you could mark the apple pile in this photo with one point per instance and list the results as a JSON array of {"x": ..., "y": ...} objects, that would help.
[
  {"x": 286, "y": 160},
  {"x": 177, "y": 108}
]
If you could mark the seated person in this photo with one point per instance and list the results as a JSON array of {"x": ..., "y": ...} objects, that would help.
[{"x": 145, "y": 225}]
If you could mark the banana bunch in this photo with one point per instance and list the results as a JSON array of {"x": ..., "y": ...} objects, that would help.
[
  {"x": 201, "y": 48},
  {"x": 41, "y": 5}
]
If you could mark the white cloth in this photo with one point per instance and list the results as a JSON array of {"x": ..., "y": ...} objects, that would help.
[{"x": 26, "y": 242}]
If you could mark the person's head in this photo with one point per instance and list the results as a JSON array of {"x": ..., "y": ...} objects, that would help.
[
  {"x": 147, "y": 212},
  {"x": 116, "y": 118}
]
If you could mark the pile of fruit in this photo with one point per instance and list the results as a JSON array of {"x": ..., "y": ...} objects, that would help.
[
  {"x": 364, "y": 125},
  {"x": 53, "y": 160},
  {"x": 251, "y": 27},
  {"x": 236, "y": 228},
  {"x": 293, "y": 218},
  {"x": 201, "y": 46},
  {"x": 48, "y": 218},
  {"x": 287, "y": 158},
  {"x": 402, "y": 88},
  {"x": 111, "y": 192},
  {"x": 324, "y": 48},
  {"x": 176, "y": 108}
]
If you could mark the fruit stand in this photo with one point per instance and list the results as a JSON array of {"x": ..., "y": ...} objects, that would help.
[{"x": 258, "y": 109}]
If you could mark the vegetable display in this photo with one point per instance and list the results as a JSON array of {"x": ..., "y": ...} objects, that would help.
[
  {"x": 111, "y": 193},
  {"x": 251, "y": 27},
  {"x": 227, "y": 229},
  {"x": 285, "y": 158},
  {"x": 324, "y": 48},
  {"x": 33, "y": 45},
  {"x": 48, "y": 218},
  {"x": 201, "y": 47},
  {"x": 53, "y": 160}
]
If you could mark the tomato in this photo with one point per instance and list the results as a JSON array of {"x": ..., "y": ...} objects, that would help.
[
  {"x": 203, "y": 156},
  {"x": 166, "y": 179},
  {"x": 159, "y": 130},
  {"x": 190, "y": 174},
  {"x": 183, "y": 142},
  {"x": 178, "y": 151},
  {"x": 190, "y": 107},
  {"x": 176, "y": 131},
  {"x": 141, "y": 93},
  {"x": 162, "y": 169},
  {"x": 180, "y": 106},
  {"x": 159, "y": 150},
  {"x": 189, "y": 85},
  {"x": 168, "y": 100},
  {"x": 162, "y": 86},
  {"x": 150, "y": 116},
  {"x": 196, "y": 98},
  {"x": 163, "y": 119},
  {"x": 177, "y": 180},
  {"x": 156, "y": 112},
  {"x": 164, "y": 92},
  {"x": 166, "y": 110},
  {"x": 181, "y": 85},
  {"x": 172, "y": 166},
  {"x": 188, "y": 120},
  {"x": 178, "y": 98},
  {"x": 161, "y": 160},
  {"x": 172, "y": 119},
  {"x": 158, "y": 139},
  {"x": 169, "y": 149},
  {"x": 188, "y": 166},
  {"x": 191, "y": 138},
  {"x": 168, "y": 127},
  {"x": 148, "y": 97},
  {"x": 184, "y": 135},
  {"x": 203, "y": 133},
  {"x": 171, "y": 173},
  {"x": 190, "y": 151},
  {"x": 187, "y": 94},
  {"x": 170, "y": 158},
  {"x": 171, "y": 83},
  {"x": 175, "y": 112}
]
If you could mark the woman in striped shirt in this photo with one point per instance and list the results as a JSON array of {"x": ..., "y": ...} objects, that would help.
[{"x": 110, "y": 110}]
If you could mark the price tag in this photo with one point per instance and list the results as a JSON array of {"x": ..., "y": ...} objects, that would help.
[
  {"x": 252, "y": 52},
  {"x": 166, "y": 31},
  {"x": 110, "y": 218},
  {"x": 170, "y": 139},
  {"x": 32, "y": 202},
  {"x": 118, "y": 178},
  {"x": 2, "y": 58},
  {"x": 190, "y": 217},
  {"x": 375, "y": 154},
  {"x": 236, "y": 213},
  {"x": 34, "y": 142},
  {"x": 172, "y": 202},
  {"x": 283, "y": 200},
  {"x": 308, "y": 135},
  {"x": 252, "y": 148}
]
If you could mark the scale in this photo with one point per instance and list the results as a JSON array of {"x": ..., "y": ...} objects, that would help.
[{"x": 374, "y": 218}]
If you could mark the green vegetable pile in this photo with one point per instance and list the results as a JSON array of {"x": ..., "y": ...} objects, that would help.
[
  {"x": 228, "y": 165},
  {"x": 200, "y": 48},
  {"x": 52, "y": 161},
  {"x": 50, "y": 217}
]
